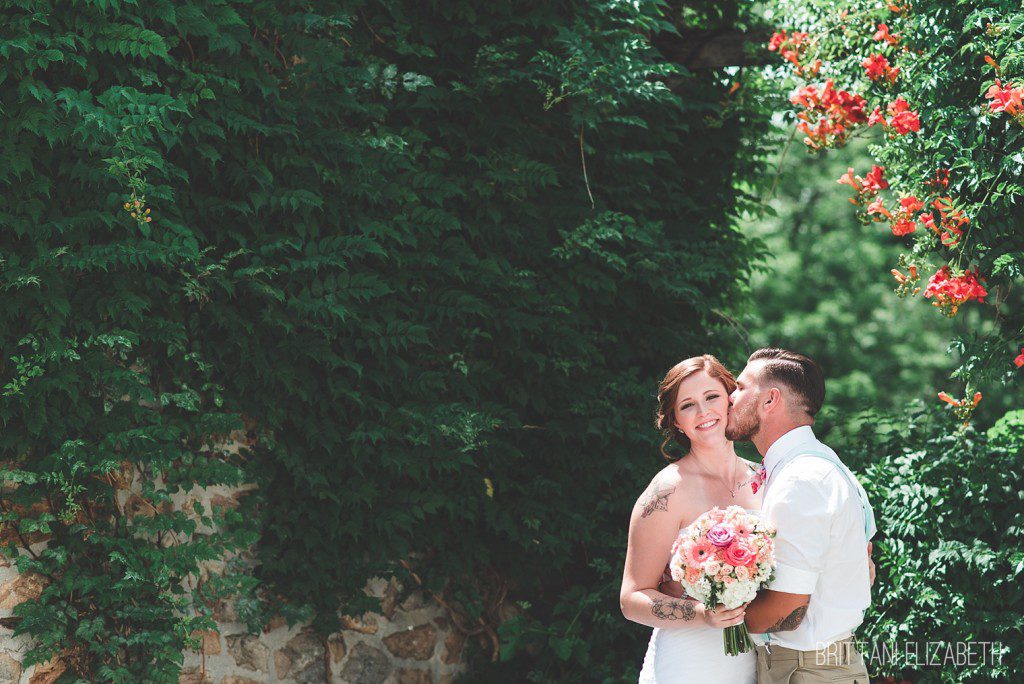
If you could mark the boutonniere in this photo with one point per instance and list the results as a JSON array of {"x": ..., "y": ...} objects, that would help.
[{"x": 758, "y": 478}]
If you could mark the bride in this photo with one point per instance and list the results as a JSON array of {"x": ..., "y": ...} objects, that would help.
[{"x": 686, "y": 645}]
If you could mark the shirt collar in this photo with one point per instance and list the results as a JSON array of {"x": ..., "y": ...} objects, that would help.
[{"x": 785, "y": 444}]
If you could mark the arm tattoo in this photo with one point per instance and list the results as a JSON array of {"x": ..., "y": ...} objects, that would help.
[
  {"x": 790, "y": 622},
  {"x": 673, "y": 609},
  {"x": 657, "y": 500}
]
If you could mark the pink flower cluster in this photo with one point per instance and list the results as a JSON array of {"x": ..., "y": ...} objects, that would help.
[
  {"x": 829, "y": 114},
  {"x": 902, "y": 222},
  {"x": 792, "y": 47},
  {"x": 866, "y": 187},
  {"x": 1005, "y": 98},
  {"x": 882, "y": 34},
  {"x": 724, "y": 556},
  {"x": 902, "y": 119},
  {"x": 952, "y": 291},
  {"x": 877, "y": 67}
]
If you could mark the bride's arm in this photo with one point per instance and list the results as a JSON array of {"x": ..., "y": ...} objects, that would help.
[{"x": 653, "y": 527}]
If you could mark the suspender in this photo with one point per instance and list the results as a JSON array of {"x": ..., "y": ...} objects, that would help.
[{"x": 815, "y": 449}]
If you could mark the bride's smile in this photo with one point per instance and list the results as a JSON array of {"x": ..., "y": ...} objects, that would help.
[{"x": 702, "y": 409}]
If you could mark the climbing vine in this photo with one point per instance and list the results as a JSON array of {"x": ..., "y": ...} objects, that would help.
[{"x": 423, "y": 262}]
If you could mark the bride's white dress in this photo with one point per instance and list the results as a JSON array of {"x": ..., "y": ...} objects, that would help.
[{"x": 695, "y": 654}]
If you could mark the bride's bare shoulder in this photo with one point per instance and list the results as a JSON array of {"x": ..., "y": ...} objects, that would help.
[
  {"x": 672, "y": 475},
  {"x": 669, "y": 485},
  {"x": 659, "y": 492}
]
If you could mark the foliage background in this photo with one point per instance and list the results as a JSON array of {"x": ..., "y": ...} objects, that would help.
[
  {"x": 365, "y": 238},
  {"x": 825, "y": 289},
  {"x": 430, "y": 259},
  {"x": 949, "y": 554}
]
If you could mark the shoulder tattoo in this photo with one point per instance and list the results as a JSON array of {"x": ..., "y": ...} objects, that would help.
[
  {"x": 790, "y": 622},
  {"x": 656, "y": 499},
  {"x": 673, "y": 609}
]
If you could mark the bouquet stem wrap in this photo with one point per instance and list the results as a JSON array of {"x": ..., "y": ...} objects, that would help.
[{"x": 737, "y": 639}]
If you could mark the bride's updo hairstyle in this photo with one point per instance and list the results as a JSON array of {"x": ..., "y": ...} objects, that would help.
[{"x": 668, "y": 391}]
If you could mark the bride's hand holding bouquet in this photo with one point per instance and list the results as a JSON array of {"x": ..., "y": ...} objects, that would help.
[{"x": 722, "y": 559}]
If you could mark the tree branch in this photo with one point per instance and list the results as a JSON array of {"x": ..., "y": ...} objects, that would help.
[{"x": 701, "y": 49}]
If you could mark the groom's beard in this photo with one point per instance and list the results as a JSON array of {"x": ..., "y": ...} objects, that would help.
[{"x": 742, "y": 428}]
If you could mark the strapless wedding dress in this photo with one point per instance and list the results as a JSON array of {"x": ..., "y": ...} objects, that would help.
[{"x": 695, "y": 654}]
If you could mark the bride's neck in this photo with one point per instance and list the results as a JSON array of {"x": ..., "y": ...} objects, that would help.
[{"x": 718, "y": 458}]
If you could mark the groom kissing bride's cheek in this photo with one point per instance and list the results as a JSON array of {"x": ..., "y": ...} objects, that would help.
[{"x": 724, "y": 551}]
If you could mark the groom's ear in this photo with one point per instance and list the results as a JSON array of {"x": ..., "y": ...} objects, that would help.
[{"x": 773, "y": 400}]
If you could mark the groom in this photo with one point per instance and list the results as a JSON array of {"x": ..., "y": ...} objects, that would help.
[{"x": 822, "y": 585}]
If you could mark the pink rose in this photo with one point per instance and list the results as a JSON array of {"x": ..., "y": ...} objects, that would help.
[
  {"x": 740, "y": 554},
  {"x": 721, "y": 535}
]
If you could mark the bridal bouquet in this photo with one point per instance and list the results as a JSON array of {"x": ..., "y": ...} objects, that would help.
[{"x": 724, "y": 557}]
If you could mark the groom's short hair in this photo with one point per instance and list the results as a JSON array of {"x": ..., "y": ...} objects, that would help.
[{"x": 797, "y": 372}]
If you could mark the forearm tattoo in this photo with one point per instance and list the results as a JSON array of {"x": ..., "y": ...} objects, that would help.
[
  {"x": 790, "y": 622},
  {"x": 657, "y": 499},
  {"x": 673, "y": 609}
]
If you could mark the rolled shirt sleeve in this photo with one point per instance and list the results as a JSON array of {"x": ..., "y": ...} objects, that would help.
[{"x": 803, "y": 517}]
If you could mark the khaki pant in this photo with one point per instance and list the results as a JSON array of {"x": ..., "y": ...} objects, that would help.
[{"x": 838, "y": 662}]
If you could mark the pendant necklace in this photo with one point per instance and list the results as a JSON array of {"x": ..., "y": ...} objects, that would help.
[{"x": 732, "y": 490}]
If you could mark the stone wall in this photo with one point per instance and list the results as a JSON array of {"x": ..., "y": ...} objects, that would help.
[{"x": 409, "y": 642}]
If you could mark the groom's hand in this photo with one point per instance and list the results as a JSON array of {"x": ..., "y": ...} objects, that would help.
[
  {"x": 671, "y": 588},
  {"x": 871, "y": 566}
]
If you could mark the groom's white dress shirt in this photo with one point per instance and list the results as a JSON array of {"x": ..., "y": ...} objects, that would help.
[{"x": 820, "y": 548}]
